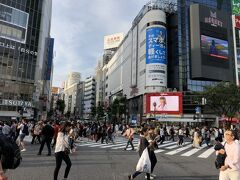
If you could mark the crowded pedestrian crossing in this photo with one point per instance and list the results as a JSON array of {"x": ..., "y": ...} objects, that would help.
[{"x": 167, "y": 147}]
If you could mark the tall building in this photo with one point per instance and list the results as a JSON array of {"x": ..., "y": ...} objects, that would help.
[
  {"x": 70, "y": 92},
  {"x": 165, "y": 58},
  {"x": 89, "y": 96},
  {"x": 25, "y": 57}
]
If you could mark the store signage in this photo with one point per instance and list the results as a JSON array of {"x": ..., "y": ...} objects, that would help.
[
  {"x": 213, "y": 20},
  {"x": 235, "y": 6},
  {"x": 19, "y": 48},
  {"x": 8, "y": 102}
]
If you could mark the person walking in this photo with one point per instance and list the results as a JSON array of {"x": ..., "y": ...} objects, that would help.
[
  {"x": 180, "y": 136},
  {"x": 62, "y": 149},
  {"x": 37, "y": 132},
  {"x": 47, "y": 135},
  {"x": 22, "y": 133},
  {"x": 142, "y": 146},
  {"x": 129, "y": 135},
  {"x": 231, "y": 168}
]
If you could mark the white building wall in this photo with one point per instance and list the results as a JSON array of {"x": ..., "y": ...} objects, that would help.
[
  {"x": 151, "y": 16},
  {"x": 127, "y": 68}
]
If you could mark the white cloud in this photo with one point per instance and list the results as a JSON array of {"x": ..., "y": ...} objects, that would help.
[{"x": 78, "y": 28}]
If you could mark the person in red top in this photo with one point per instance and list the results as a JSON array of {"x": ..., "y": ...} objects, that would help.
[{"x": 56, "y": 130}]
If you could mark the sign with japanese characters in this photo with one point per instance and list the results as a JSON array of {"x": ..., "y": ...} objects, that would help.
[
  {"x": 156, "y": 56},
  {"x": 113, "y": 41}
]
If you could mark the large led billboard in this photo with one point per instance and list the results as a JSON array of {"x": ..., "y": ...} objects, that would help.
[
  {"x": 164, "y": 103},
  {"x": 156, "y": 56},
  {"x": 211, "y": 56},
  {"x": 214, "y": 47}
]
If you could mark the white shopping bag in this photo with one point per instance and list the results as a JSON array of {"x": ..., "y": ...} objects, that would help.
[{"x": 144, "y": 163}]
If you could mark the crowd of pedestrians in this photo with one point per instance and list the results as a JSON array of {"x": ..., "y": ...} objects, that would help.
[{"x": 61, "y": 136}]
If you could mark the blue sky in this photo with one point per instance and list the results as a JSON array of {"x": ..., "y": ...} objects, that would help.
[{"x": 79, "y": 27}]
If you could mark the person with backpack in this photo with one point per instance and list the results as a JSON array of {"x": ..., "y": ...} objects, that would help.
[
  {"x": 10, "y": 156},
  {"x": 230, "y": 170},
  {"x": 23, "y": 127},
  {"x": 47, "y": 135}
]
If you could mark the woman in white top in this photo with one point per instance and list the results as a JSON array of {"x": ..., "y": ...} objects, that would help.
[{"x": 62, "y": 150}]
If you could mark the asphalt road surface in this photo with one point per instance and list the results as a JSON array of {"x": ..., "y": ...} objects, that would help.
[{"x": 96, "y": 161}]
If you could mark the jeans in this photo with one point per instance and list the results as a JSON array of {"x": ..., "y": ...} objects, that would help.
[
  {"x": 130, "y": 142},
  {"x": 59, "y": 157},
  {"x": 48, "y": 141}
]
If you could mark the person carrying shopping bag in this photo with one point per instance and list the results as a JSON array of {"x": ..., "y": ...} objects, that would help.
[{"x": 146, "y": 163}]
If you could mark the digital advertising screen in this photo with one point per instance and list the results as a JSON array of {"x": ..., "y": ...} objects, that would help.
[
  {"x": 167, "y": 103},
  {"x": 214, "y": 47}
]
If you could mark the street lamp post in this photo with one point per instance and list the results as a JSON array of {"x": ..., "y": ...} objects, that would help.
[{"x": 154, "y": 105}]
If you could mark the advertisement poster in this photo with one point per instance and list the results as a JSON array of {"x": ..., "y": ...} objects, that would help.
[
  {"x": 214, "y": 47},
  {"x": 156, "y": 56},
  {"x": 167, "y": 103}
]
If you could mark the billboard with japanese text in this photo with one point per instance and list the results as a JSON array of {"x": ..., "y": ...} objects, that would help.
[
  {"x": 156, "y": 56},
  {"x": 113, "y": 41}
]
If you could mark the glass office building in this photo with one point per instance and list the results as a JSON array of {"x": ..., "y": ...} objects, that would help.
[
  {"x": 21, "y": 53},
  {"x": 184, "y": 49}
]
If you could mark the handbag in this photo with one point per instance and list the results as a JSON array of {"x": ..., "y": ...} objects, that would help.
[{"x": 67, "y": 150}]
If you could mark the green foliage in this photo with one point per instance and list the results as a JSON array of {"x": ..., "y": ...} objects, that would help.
[
  {"x": 118, "y": 107},
  {"x": 223, "y": 99},
  {"x": 60, "y": 105}
]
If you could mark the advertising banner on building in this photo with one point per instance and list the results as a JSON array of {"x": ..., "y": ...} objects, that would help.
[
  {"x": 235, "y": 6},
  {"x": 50, "y": 58},
  {"x": 164, "y": 103},
  {"x": 237, "y": 21},
  {"x": 156, "y": 56},
  {"x": 113, "y": 41}
]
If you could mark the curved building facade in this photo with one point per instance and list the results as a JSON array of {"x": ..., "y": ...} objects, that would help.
[{"x": 24, "y": 27}]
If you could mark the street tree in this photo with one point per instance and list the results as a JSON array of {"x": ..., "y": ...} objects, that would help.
[
  {"x": 223, "y": 99},
  {"x": 118, "y": 107}
]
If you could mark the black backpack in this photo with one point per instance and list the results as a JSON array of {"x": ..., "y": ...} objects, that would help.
[
  {"x": 220, "y": 159},
  {"x": 10, "y": 153}
]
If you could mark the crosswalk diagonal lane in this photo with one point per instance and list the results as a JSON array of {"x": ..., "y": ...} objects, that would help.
[
  {"x": 166, "y": 144},
  {"x": 207, "y": 153},
  {"x": 113, "y": 145},
  {"x": 158, "y": 151},
  {"x": 175, "y": 146},
  {"x": 86, "y": 143},
  {"x": 193, "y": 151},
  {"x": 179, "y": 150},
  {"x": 121, "y": 147}
]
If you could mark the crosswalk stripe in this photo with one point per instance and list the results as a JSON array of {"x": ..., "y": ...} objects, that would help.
[
  {"x": 86, "y": 144},
  {"x": 175, "y": 146},
  {"x": 179, "y": 150},
  {"x": 193, "y": 151},
  {"x": 113, "y": 145},
  {"x": 168, "y": 144},
  {"x": 207, "y": 153},
  {"x": 158, "y": 151}
]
